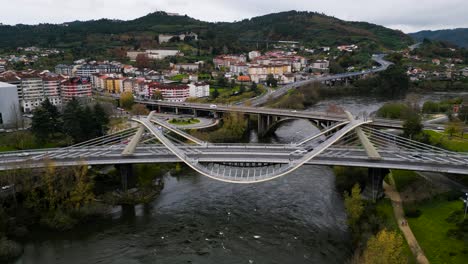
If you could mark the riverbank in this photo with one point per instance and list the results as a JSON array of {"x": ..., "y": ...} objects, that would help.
[
  {"x": 375, "y": 219},
  {"x": 435, "y": 215}
]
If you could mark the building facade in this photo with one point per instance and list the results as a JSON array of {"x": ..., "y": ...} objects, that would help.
[
  {"x": 10, "y": 113},
  {"x": 199, "y": 90},
  {"x": 77, "y": 87}
]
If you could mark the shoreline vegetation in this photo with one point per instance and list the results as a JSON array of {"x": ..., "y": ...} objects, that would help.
[
  {"x": 59, "y": 199},
  {"x": 374, "y": 229}
]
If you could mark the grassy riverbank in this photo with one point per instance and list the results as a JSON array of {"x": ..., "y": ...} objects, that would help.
[{"x": 435, "y": 216}]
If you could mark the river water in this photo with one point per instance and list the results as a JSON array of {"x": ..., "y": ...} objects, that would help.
[{"x": 294, "y": 219}]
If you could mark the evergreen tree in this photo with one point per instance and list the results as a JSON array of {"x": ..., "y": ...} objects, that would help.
[
  {"x": 215, "y": 93},
  {"x": 254, "y": 87},
  {"x": 242, "y": 88},
  {"x": 72, "y": 117},
  {"x": 46, "y": 121},
  {"x": 101, "y": 120},
  {"x": 54, "y": 115},
  {"x": 40, "y": 124}
]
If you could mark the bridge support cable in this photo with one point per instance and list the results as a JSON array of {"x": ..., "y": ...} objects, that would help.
[
  {"x": 331, "y": 129},
  {"x": 407, "y": 143},
  {"x": 111, "y": 138}
]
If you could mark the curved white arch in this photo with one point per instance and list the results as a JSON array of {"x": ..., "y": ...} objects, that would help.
[{"x": 292, "y": 166}]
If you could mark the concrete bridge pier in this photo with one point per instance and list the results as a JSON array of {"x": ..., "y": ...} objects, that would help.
[
  {"x": 265, "y": 122},
  {"x": 127, "y": 178},
  {"x": 374, "y": 184},
  {"x": 176, "y": 110},
  {"x": 261, "y": 125}
]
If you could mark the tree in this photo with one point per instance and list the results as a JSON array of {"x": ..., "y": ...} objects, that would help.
[
  {"x": 101, "y": 120},
  {"x": 72, "y": 117},
  {"x": 412, "y": 125},
  {"x": 393, "y": 83},
  {"x": 46, "y": 120},
  {"x": 139, "y": 109},
  {"x": 232, "y": 84},
  {"x": 221, "y": 81},
  {"x": 354, "y": 205},
  {"x": 254, "y": 87},
  {"x": 142, "y": 61},
  {"x": 463, "y": 113},
  {"x": 82, "y": 193},
  {"x": 127, "y": 100},
  {"x": 384, "y": 248},
  {"x": 242, "y": 88},
  {"x": 157, "y": 95},
  {"x": 453, "y": 128},
  {"x": 40, "y": 124},
  {"x": 215, "y": 93},
  {"x": 271, "y": 81}
]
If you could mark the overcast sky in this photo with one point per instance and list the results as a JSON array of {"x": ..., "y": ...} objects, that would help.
[{"x": 406, "y": 15}]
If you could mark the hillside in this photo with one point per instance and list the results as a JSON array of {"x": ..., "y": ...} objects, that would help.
[
  {"x": 457, "y": 36},
  {"x": 99, "y": 36}
]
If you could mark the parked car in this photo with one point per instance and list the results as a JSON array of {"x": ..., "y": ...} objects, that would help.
[{"x": 213, "y": 106}]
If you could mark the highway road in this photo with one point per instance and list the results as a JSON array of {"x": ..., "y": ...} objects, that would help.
[{"x": 379, "y": 58}]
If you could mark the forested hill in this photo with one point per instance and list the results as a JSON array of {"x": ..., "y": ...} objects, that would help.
[
  {"x": 307, "y": 27},
  {"x": 457, "y": 36}
]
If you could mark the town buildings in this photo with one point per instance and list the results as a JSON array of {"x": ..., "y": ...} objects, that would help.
[
  {"x": 320, "y": 65},
  {"x": 228, "y": 60},
  {"x": 178, "y": 92},
  {"x": 190, "y": 67},
  {"x": 34, "y": 87},
  {"x": 154, "y": 54},
  {"x": 254, "y": 54},
  {"x": 259, "y": 73}
]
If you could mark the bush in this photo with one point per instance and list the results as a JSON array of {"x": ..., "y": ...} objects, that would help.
[
  {"x": 393, "y": 110},
  {"x": 9, "y": 249},
  {"x": 453, "y": 195},
  {"x": 412, "y": 212},
  {"x": 347, "y": 177},
  {"x": 58, "y": 220}
]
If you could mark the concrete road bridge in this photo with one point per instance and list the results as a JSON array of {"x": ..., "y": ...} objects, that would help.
[
  {"x": 268, "y": 117},
  {"x": 351, "y": 142}
]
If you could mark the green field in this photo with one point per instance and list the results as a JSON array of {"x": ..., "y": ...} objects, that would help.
[
  {"x": 431, "y": 229},
  {"x": 443, "y": 140}
]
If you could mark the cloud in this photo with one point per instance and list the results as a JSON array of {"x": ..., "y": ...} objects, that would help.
[{"x": 406, "y": 15}]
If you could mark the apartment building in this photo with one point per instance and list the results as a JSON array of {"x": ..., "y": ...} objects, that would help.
[{"x": 76, "y": 87}]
